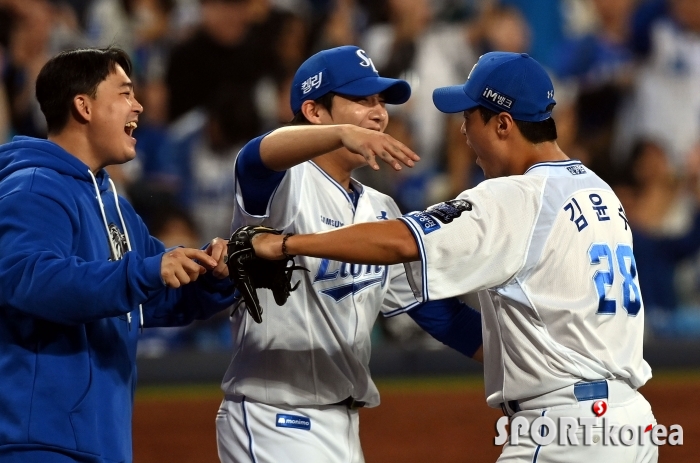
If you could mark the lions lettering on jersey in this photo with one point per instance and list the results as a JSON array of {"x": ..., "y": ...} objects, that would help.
[{"x": 350, "y": 278}]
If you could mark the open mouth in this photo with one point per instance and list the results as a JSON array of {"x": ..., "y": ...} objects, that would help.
[{"x": 129, "y": 128}]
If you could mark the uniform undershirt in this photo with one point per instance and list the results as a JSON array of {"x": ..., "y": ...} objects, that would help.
[{"x": 257, "y": 181}]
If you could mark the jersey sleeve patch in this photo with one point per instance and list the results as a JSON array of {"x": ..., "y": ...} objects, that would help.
[
  {"x": 425, "y": 221},
  {"x": 447, "y": 211}
]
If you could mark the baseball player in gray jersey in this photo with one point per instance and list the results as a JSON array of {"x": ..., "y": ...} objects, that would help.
[
  {"x": 546, "y": 244},
  {"x": 297, "y": 379}
]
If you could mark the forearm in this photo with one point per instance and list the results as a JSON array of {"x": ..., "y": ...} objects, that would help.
[
  {"x": 196, "y": 301},
  {"x": 289, "y": 146},
  {"x": 72, "y": 291},
  {"x": 378, "y": 243}
]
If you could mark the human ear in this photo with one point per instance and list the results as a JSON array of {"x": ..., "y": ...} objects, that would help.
[
  {"x": 313, "y": 111},
  {"x": 81, "y": 108},
  {"x": 504, "y": 124}
]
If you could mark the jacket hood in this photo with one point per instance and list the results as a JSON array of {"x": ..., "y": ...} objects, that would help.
[{"x": 27, "y": 152}]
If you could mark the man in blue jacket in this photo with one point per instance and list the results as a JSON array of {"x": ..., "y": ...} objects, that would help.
[{"x": 80, "y": 273}]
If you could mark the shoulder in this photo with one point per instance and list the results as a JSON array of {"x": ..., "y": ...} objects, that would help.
[
  {"x": 37, "y": 180},
  {"x": 512, "y": 187}
]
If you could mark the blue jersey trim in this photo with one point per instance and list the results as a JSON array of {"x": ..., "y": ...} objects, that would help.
[
  {"x": 338, "y": 186},
  {"x": 537, "y": 450},
  {"x": 247, "y": 430},
  {"x": 423, "y": 258},
  {"x": 401, "y": 310},
  {"x": 568, "y": 162}
]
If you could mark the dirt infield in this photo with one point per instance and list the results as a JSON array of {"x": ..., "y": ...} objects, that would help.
[{"x": 445, "y": 422}]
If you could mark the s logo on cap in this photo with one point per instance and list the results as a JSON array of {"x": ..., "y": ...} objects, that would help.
[
  {"x": 366, "y": 60},
  {"x": 470, "y": 72}
]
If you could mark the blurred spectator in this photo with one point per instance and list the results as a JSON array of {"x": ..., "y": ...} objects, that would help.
[
  {"x": 196, "y": 162},
  {"x": 36, "y": 30},
  {"x": 341, "y": 25},
  {"x": 630, "y": 69},
  {"x": 153, "y": 42},
  {"x": 236, "y": 44},
  {"x": 545, "y": 19},
  {"x": 430, "y": 54},
  {"x": 110, "y": 22},
  {"x": 662, "y": 209},
  {"x": 601, "y": 65},
  {"x": 667, "y": 93}
]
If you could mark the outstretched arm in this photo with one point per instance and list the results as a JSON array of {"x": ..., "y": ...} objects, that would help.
[
  {"x": 378, "y": 243},
  {"x": 289, "y": 146},
  {"x": 262, "y": 162}
]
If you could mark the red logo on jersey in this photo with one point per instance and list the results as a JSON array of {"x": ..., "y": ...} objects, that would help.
[{"x": 600, "y": 407}]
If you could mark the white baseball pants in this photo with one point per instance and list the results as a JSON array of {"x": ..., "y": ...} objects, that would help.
[
  {"x": 625, "y": 407},
  {"x": 253, "y": 432}
]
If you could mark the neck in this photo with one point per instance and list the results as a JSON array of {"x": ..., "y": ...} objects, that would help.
[
  {"x": 77, "y": 145},
  {"x": 541, "y": 152},
  {"x": 336, "y": 166}
]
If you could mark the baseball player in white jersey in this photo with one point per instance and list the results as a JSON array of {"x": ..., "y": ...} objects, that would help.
[
  {"x": 546, "y": 244},
  {"x": 296, "y": 380}
]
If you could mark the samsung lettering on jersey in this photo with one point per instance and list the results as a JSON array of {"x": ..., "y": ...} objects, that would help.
[
  {"x": 545, "y": 431},
  {"x": 332, "y": 222}
]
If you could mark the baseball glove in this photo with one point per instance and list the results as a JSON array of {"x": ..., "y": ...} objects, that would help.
[{"x": 249, "y": 272}]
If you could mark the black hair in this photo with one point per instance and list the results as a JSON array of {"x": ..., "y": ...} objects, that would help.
[
  {"x": 325, "y": 100},
  {"x": 71, "y": 73},
  {"x": 534, "y": 132}
]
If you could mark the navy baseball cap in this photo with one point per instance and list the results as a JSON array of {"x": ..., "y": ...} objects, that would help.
[
  {"x": 500, "y": 81},
  {"x": 346, "y": 70}
]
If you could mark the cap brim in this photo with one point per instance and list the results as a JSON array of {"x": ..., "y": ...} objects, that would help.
[
  {"x": 452, "y": 99},
  {"x": 395, "y": 91}
]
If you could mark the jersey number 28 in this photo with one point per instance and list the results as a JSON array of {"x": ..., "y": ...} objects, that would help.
[{"x": 604, "y": 279}]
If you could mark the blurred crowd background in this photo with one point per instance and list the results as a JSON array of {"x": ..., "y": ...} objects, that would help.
[{"x": 212, "y": 74}]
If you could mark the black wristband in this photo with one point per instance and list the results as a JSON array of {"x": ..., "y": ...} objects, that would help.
[{"x": 284, "y": 245}]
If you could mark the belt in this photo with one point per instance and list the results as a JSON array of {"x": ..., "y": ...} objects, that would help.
[
  {"x": 591, "y": 390},
  {"x": 351, "y": 403}
]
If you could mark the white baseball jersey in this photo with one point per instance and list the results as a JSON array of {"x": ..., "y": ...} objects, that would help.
[
  {"x": 315, "y": 349},
  {"x": 550, "y": 253}
]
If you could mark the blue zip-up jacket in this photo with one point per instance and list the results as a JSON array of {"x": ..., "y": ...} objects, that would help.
[{"x": 67, "y": 349}]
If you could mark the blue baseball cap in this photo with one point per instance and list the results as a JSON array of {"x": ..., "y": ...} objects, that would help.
[
  {"x": 346, "y": 70},
  {"x": 500, "y": 81}
]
